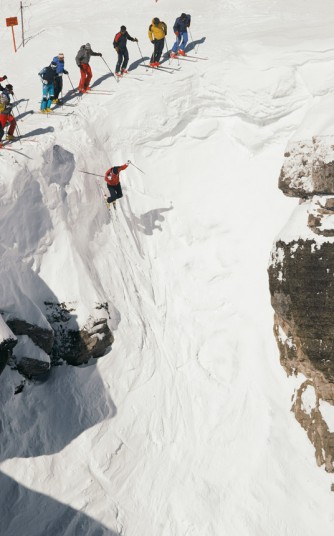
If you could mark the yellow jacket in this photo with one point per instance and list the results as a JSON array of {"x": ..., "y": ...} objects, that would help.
[{"x": 158, "y": 31}]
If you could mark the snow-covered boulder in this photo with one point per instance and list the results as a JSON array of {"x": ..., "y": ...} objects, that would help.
[
  {"x": 30, "y": 359},
  {"x": 308, "y": 168}
]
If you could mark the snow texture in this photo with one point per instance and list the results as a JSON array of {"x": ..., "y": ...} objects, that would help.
[{"x": 184, "y": 428}]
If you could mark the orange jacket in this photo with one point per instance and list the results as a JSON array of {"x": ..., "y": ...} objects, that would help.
[{"x": 112, "y": 178}]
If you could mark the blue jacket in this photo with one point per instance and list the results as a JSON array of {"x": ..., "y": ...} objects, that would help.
[
  {"x": 60, "y": 65},
  {"x": 48, "y": 74},
  {"x": 180, "y": 25}
]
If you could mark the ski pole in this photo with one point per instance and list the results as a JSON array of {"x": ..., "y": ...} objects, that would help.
[
  {"x": 73, "y": 87},
  {"x": 142, "y": 57},
  {"x": 191, "y": 37},
  {"x": 89, "y": 173},
  {"x": 70, "y": 82},
  {"x": 16, "y": 105},
  {"x": 17, "y": 127},
  {"x": 129, "y": 162},
  {"x": 109, "y": 69},
  {"x": 167, "y": 48}
]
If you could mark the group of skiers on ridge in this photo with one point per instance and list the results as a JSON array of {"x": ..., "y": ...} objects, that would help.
[{"x": 52, "y": 79}]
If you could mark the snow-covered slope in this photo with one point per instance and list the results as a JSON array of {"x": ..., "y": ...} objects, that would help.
[{"x": 184, "y": 427}]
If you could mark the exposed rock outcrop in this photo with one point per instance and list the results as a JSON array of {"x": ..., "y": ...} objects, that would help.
[
  {"x": 301, "y": 277},
  {"x": 7, "y": 343},
  {"x": 31, "y": 360},
  {"x": 39, "y": 348},
  {"x": 74, "y": 345}
]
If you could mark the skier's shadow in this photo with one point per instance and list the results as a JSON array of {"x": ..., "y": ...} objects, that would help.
[
  {"x": 151, "y": 221},
  {"x": 193, "y": 44},
  {"x": 136, "y": 64},
  {"x": 24, "y": 114},
  {"x": 37, "y": 132},
  {"x": 70, "y": 95},
  {"x": 99, "y": 81}
]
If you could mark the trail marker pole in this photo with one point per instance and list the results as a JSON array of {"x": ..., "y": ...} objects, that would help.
[
  {"x": 22, "y": 26},
  {"x": 12, "y": 21}
]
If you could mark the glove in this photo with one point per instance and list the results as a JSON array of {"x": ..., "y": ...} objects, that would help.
[
  {"x": 176, "y": 33},
  {"x": 128, "y": 161},
  {"x": 136, "y": 40},
  {"x": 4, "y": 77},
  {"x": 99, "y": 54},
  {"x": 153, "y": 42},
  {"x": 65, "y": 72},
  {"x": 45, "y": 82}
]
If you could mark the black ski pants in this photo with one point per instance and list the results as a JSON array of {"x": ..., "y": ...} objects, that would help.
[
  {"x": 115, "y": 192},
  {"x": 123, "y": 58},
  {"x": 158, "y": 48},
  {"x": 58, "y": 86}
]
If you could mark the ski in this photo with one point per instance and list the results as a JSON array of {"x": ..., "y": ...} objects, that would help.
[
  {"x": 164, "y": 69},
  {"x": 108, "y": 204},
  {"x": 183, "y": 58},
  {"x": 131, "y": 76},
  {"x": 14, "y": 151},
  {"x": 163, "y": 66},
  {"x": 9, "y": 142},
  {"x": 64, "y": 104},
  {"x": 99, "y": 91},
  {"x": 196, "y": 57},
  {"x": 51, "y": 114}
]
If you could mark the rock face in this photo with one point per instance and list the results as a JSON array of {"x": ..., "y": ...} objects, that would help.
[
  {"x": 308, "y": 168},
  {"x": 39, "y": 348},
  {"x": 73, "y": 345},
  {"x": 301, "y": 277},
  {"x": 7, "y": 343}
]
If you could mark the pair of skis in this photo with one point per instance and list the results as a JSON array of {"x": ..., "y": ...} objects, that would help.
[
  {"x": 169, "y": 70},
  {"x": 97, "y": 92},
  {"x": 51, "y": 114},
  {"x": 6, "y": 144},
  {"x": 108, "y": 205}
]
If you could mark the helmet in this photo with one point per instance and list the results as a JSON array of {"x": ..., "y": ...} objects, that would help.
[
  {"x": 88, "y": 46},
  {"x": 156, "y": 20},
  {"x": 53, "y": 65},
  {"x": 115, "y": 169},
  {"x": 9, "y": 87},
  {"x": 123, "y": 28}
]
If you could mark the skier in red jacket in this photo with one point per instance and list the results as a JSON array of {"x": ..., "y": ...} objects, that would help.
[
  {"x": 112, "y": 179},
  {"x": 7, "y": 117}
]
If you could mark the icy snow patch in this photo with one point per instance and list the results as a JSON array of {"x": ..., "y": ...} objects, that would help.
[
  {"x": 327, "y": 411},
  {"x": 309, "y": 399}
]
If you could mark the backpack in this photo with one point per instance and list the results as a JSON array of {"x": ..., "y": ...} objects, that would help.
[
  {"x": 4, "y": 98},
  {"x": 4, "y": 101}
]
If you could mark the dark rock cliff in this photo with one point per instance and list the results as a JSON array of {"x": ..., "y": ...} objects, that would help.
[{"x": 301, "y": 278}]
